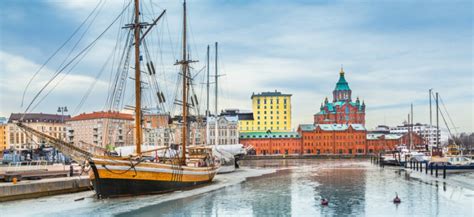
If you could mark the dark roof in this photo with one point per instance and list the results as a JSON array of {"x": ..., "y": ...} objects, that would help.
[
  {"x": 39, "y": 117},
  {"x": 245, "y": 116},
  {"x": 241, "y": 115},
  {"x": 275, "y": 93}
]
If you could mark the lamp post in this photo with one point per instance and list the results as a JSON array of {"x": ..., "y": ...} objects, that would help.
[{"x": 62, "y": 110}]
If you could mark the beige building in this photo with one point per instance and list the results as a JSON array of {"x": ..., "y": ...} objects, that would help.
[
  {"x": 102, "y": 128},
  {"x": 156, "y": 130},
  {"x": 50, "y": 124}
]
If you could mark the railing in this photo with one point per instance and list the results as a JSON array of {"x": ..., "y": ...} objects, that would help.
[{"x": 32, "y": 165}]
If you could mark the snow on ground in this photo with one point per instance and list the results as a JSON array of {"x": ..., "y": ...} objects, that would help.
[{"x": 90, "y": 206}]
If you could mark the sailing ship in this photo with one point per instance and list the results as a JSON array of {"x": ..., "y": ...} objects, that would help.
[
  {"x": 118, "y": 176},
  {"x": 137, "y": 174}
]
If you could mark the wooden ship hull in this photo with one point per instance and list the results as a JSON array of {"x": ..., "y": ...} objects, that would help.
[{"x": 114, "y": 178}]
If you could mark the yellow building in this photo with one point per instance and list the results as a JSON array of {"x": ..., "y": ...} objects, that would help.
[
  {"x": 3, "y": 137},
  {"x": 271, "y": 111}
]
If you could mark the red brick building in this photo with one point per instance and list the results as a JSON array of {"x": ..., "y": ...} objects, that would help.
[
  {"x": 333, "y": 139},
  {"x": 277, "y": 143},
  {"x": 342, "y": 110}
]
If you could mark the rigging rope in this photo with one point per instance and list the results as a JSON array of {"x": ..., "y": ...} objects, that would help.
[
  {"x": 79, "y": 54},
  {"x": 57, "y": 50}
]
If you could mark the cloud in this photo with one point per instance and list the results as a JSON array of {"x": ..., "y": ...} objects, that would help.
[{"x": 392, "y": 53}]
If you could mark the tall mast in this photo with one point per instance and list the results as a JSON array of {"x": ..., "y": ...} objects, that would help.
[
  {"x": 216, "y": 76},
  {"x": 431, "y": 121},
  {"x": 138, "y": 113},
  {"x": 207, "y": 83},
  {"x": 216, "y": 108},
  {"x": 437, "y": 122},
  {"x": 411, "y": 125},
  {"x": 184, "y": 68}
]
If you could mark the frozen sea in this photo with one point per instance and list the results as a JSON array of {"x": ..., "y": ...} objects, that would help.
[{"x": 282, "y": 188}]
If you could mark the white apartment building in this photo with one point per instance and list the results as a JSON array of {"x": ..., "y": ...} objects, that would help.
[
  {"x": 227, "y": 130},
  {"x": 425, "y": 131}
]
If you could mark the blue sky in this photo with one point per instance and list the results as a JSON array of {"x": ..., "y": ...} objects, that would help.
[{"x": 392, "y": 52}]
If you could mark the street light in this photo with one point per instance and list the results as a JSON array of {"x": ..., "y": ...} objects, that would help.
[{"x": 62, "y": 110}]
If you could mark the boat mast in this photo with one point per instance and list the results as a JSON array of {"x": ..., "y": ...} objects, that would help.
[
  {"x": 138, "y": 113},
  {"x": 216, "y": 110},
  {"x": 184, "y": 69},
  {"x": 207, "y": 83}
]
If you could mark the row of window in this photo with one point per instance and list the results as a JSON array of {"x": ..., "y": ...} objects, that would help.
[
  {"x": 271, "y": 101},
  {"x": 271, "y": 112},
  {"x": 335, "y": 137},
  {"x": 271, "y": 117},
  {"x": 258, "y": 128},
  {"x": 271, "y": 122},
  {"x": 271, "y": 107}
]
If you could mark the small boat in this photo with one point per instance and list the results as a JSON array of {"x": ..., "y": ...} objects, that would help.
[{"x": 452, "y": 163}]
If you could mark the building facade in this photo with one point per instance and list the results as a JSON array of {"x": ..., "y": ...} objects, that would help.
[
  {"x": 3, "y": 137},
  {"x": 271, "y": 112},
  {"x": 342, "y": 110},
  {"x": 342, "y": 139},
  {"x": 227, "y": 130},
  {"x": 51, "y": 124},
  {"x": 379, "y": 142},
  {"x": 272, "y": 143},
  {"x": 102, "y": 129},
  {"x": 156, "y": 131},
  {"x": 424, "y": 130}
]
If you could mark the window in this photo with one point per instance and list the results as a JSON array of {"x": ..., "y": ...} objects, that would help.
[
  {"x": 258, "y": 101},
  {"x": 278, "y": 101},
  {"x": 258, "y": 107},
  {"x": 284, "y": 112},
  {"x": 284, "y": 101},
  {"x": 271, "y": 112},
  {"x": 271, "y": 101},
  {"x": 264, "y": 101},
  {"x": 264, "y": 112}
]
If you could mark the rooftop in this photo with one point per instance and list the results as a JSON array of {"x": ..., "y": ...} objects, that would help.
[
  {"x": 102, "y": 114},
  {"x": 275, "y": 93},
  {"x": 38, "y": 117},
  {"x": 331, "y": 127}
]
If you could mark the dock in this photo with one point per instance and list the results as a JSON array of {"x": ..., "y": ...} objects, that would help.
[{"x": 46, "y": 187}]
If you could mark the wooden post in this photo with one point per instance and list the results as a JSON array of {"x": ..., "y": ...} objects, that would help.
[
  {"x": 426, "y": 167},
  {"x": 421, "y": 167},
  {"x": 444, "y": 171},
  {"x": 436, "y": 170},
  {"x": 431, "y": 169}
]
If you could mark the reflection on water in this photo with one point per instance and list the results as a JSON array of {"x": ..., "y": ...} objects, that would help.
[{"x": 353, "y": 187}]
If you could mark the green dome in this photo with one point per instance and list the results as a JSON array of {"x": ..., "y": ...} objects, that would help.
[{"x": 342, "y": 83}]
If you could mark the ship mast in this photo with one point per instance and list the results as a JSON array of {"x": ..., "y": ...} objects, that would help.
[
  {"x": 138, "y": 112},
  {"x": 184, "y": 69}
]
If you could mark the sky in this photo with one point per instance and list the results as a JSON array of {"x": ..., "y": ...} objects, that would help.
[{"x": 392, "y": 52}]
